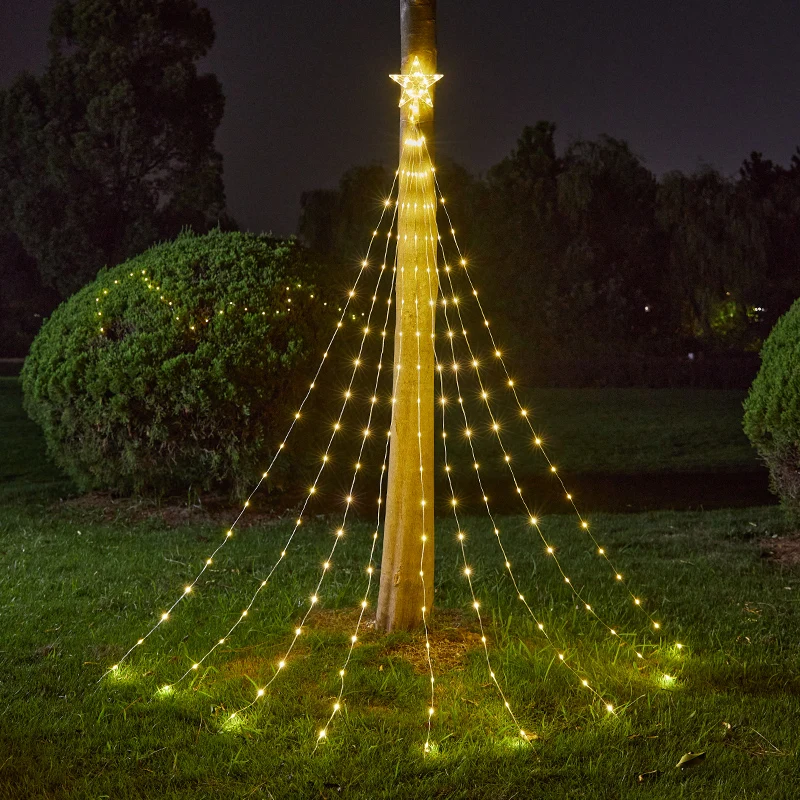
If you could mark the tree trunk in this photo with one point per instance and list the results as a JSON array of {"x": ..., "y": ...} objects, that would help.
[{"x": 403, "y": 591}]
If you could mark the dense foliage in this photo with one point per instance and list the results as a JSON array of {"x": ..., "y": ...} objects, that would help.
[
  {"x": 176, "y": 369},
  {"x": 596, "y": 272},
  {"x": 112, "y": 148},
  {"x": 772, "y": 409}
]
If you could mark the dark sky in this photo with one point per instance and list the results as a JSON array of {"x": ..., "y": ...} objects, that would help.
[{"x": 684, "y": 81}]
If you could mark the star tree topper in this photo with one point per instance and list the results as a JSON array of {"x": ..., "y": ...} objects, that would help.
[{"x": 416, "y": 89}]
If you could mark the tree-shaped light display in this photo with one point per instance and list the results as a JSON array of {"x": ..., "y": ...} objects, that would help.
[{"x": 422, "y": 283}]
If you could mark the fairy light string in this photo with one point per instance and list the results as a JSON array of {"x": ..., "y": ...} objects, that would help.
[
  {"x": 533, "y": 520},
  {"x": 230, "y": 306},
  {"x": 560, "y": 652},
  {"x": 356, "y": 364},
  {"x": 322, "y": 734},
  {"x": 428, "y": 213},
  {"x": 314, "y": 600},
  {"x": 415, "y": 142},
  {"x": 583, "y": 523},
  {"x": 208, "y": 561},
  {"x": 370, "y": 569}
]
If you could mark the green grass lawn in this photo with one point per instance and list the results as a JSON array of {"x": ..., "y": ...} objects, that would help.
[
  {"x": 633, "y": 430},
  {"x": 594, "y": 431},
  {"x": 80, "y": 581}
]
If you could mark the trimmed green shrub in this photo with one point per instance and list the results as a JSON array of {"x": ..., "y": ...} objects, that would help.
[
  {"x": 176, "y": 370},
  {"x": 772, "y": 409}
]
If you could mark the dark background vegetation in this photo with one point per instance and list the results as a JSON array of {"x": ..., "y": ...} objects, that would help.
[{"x": 599, "y": 270}]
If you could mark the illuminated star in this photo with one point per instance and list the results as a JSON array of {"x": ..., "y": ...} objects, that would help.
[{"x": 416, "y": 89}]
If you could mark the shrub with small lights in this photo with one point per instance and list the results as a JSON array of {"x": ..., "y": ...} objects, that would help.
[
  {"x": 772, "y": 409},
  {"x": 174, "y": 370}
]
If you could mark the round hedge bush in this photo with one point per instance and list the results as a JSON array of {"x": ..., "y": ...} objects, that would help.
[
  {"x": 772, "y": 409},
  {"x": 175, "y": 371}
]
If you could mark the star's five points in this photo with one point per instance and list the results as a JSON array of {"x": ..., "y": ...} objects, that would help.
[{"x": 416, "y": 89}]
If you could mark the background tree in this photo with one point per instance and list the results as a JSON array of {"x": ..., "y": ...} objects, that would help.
[
  {"x": 605, "y": 293},
  {"x": 112, "y": 148},
  {"x": 773, "y": 193},
  {"x": 717, "y": 257},
  {"x": 519, "y": 238},
  {"x": 597, "y": 272}
]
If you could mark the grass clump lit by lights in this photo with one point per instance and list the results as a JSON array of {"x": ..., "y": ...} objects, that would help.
[{"x": 80, "y": 582}]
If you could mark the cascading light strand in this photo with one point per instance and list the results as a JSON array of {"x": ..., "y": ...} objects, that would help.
[
  {"x": 560, "y": 652},
  {"x": 600, "y": 550},
  {"x": 208, "y": 561},
  {"x": 495, "y": 427},
  {"x": 532, "y": 518},
  {"x": 468, "y": 573},
  {"x": 420, "y": 175},
  {"x": 338, "y": 703},
  {"x": 339, "y": 533},
  {"x": 537, "y": 440},
  {"x": 312, "y": 490}
]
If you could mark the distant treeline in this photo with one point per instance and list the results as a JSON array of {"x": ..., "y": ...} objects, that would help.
[{"x": 596, "y": 272}]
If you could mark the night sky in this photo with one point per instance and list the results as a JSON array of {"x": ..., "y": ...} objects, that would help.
[{"x": 308, "y": 94}]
